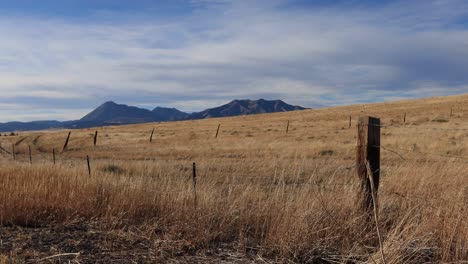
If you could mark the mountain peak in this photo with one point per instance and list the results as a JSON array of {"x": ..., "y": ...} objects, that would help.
[
  {"x": 246, "y": 107},
  {"x": 109, "y": 103},
  {"x": 113, "y": 113}
]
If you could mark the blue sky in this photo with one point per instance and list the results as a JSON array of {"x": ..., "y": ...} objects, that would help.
[{"x": 61, "y": 59}]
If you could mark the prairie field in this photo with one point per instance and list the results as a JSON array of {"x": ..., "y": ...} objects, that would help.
[{"x": 261, "y": 195}]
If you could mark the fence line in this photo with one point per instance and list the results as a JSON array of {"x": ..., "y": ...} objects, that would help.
[
  {"x": 393, "y": 150},
  {"x": 407, "y": 126}
]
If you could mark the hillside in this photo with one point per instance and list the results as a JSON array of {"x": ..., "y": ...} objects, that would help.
[{"x": 260, "y": 195}]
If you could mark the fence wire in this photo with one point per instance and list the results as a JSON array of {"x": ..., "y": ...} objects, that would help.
[{"x": 275, "y": 182}]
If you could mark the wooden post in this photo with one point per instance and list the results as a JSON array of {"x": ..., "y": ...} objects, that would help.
[
  {"x": 66, "y": 142},
  {"x": 368, "y": 151},
  {"x": 404, "y": 119},
  {"x": 287, "y": 127},
  {"x": 151, "y": 137},
  {"x": 217, "y": 131},
  {"x": 13, "y": 152},
  {"x": 95, "y": 138},
  {"x": 350, "y": 121},
  {"x": 194, "y": 178},
  {"x": 30, "y": 155},
  {"x": 53, "y": 155},
  {"x": 89, "y": 166}
]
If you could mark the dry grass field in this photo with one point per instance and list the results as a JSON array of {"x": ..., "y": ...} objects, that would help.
[{"x": 262, "y": 195}]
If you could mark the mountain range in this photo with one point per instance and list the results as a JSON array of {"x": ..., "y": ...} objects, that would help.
[{"x": 111, "y": 113}]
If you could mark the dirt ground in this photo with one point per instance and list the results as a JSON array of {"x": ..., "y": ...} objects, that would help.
[{"x": 87, "y": 243}]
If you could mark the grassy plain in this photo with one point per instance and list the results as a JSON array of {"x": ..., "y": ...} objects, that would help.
[{"x": 262, "y": 195}]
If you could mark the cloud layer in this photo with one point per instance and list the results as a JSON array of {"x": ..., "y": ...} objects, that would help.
[{"x": 59, "y": 68}]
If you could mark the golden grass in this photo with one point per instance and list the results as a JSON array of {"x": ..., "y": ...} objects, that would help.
[{"x": 282, "y": 195}]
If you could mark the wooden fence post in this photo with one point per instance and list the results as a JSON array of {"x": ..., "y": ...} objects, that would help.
[
  {"x": 95, "y": 138},
  {"x": 151, "y": 137},
  {"x": 217, "y": 131},
  {"x": 368, "y": 151},
  {"x": 404, "y": 119},
  {"x": 350, "y": 121},
  {"x": 287, "y": 127},
  {"x": 194, "y": 178},
  {"x": 66, "y": 142},
  {"x": 13, "y": 151},
  {"x": 30, "y": 155},
  {"x": 53, "y": 155},
  {"x": 89, "y": 166}
]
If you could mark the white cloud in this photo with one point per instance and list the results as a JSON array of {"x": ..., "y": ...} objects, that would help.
[{"x": 227, "y": 50}]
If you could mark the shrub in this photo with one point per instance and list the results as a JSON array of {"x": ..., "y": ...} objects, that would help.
[
  {"x": 113, "y": 169},
  {"x": 326, "y": 152},
  {"x": 440, "y": 120}
]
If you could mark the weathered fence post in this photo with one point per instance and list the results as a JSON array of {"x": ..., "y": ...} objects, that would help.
[
  {"x": 30, "y": 155},
  {"x": 66, "y": 142},
  {"x": 368, "y": 151},
  {"x": 13, "y": 151},
  {"x": 287, "y": 127},
  {"x": 350, "y": 121},
  {"x": 95, "y": 138},
  {"x": 89, "y": 166},
  {"x": 194, "y": 178},
  {"x": 53, "y": 155},
  {"x": 217, "y": 131},
  {"x": 404, "y": 119},
  {"x": 151, "y": 137}
]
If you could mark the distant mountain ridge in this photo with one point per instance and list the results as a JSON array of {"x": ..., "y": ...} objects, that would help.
[
  {"x": 169, "y": 114},
  {"x": 111, "y": 113},
  {"x": 246, "y": 107}
]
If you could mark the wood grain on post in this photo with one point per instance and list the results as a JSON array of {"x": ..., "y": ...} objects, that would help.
[
  {"x": 368, "y": 151},
  {"x": 95, "y": 138},
  {"x": 65, "y": 146},
  {"x": 151, "y": 137},
  {"x": 217, "y": 131}
]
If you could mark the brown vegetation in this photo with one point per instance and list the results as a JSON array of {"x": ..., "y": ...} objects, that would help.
[{"x": 262, "y": 194}]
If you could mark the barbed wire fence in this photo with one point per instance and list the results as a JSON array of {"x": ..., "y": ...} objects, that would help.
[{"x": 402, "y": 153}]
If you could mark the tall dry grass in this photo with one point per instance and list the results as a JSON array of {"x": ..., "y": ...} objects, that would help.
[{"x": 279, "y": 195}]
